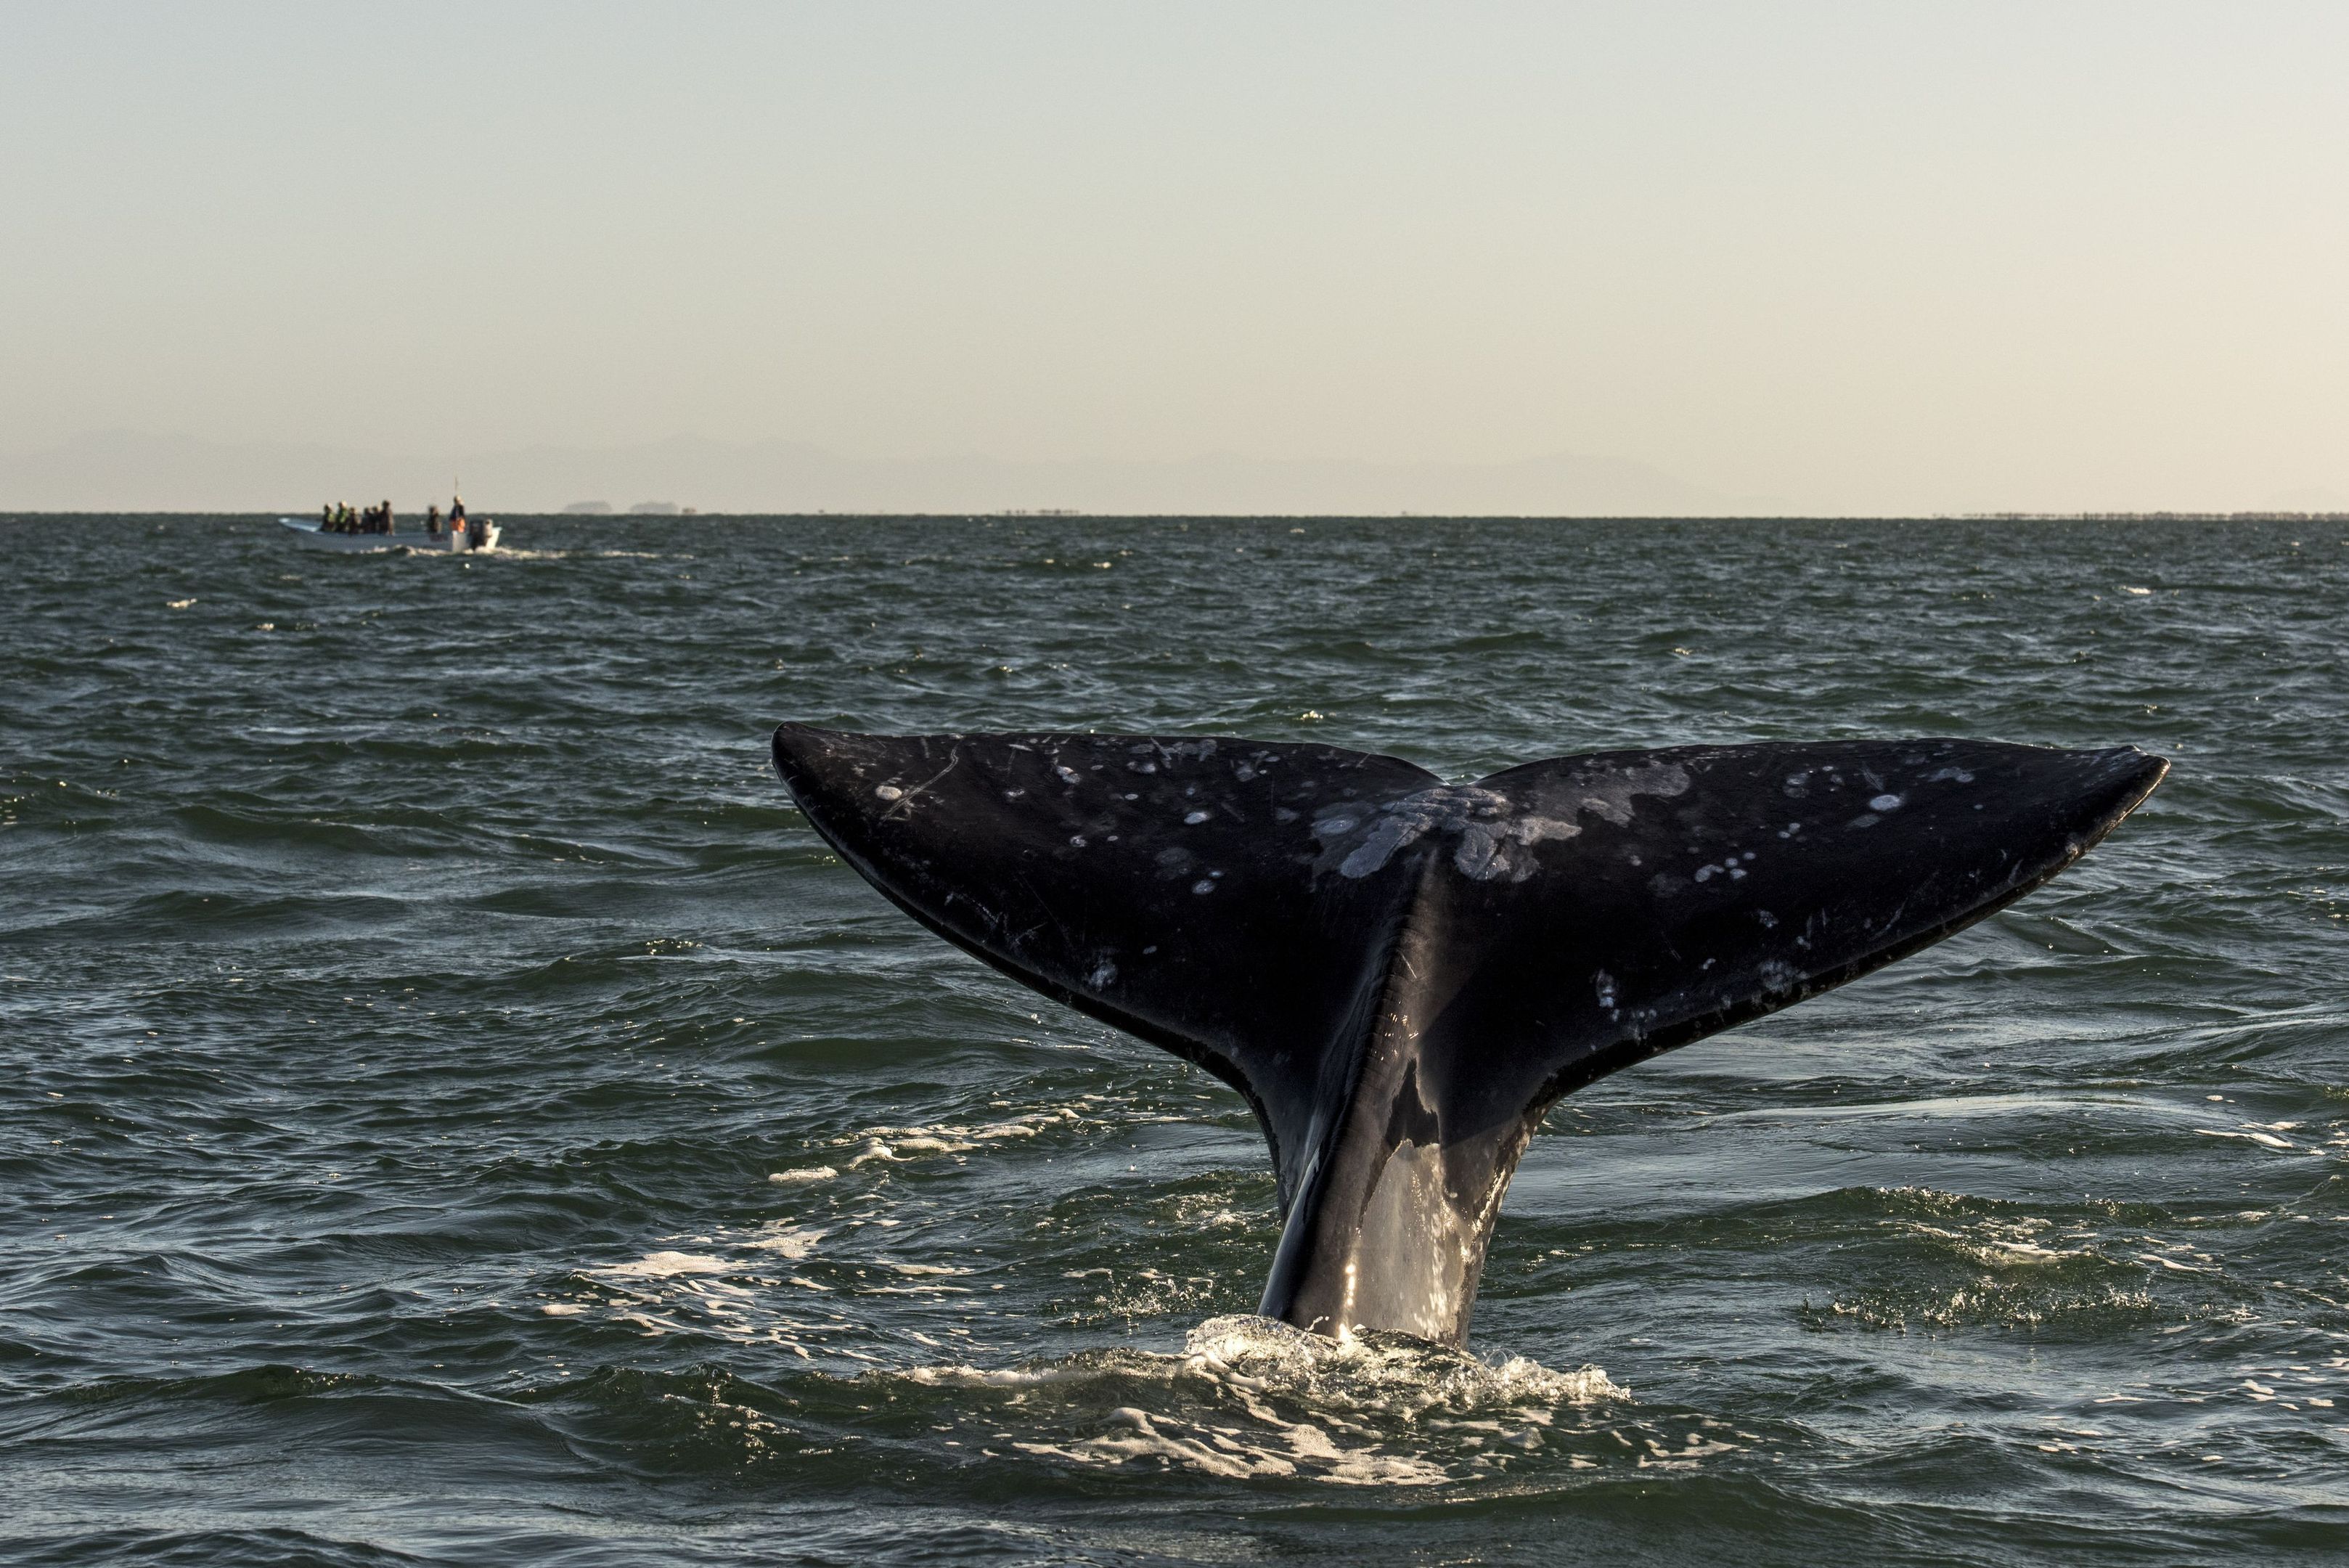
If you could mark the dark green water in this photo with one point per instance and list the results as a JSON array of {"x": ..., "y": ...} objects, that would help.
[{"x": 457, "y": 1113}]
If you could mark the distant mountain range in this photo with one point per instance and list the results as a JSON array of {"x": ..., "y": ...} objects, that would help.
[{"x": 126, "y": 471}]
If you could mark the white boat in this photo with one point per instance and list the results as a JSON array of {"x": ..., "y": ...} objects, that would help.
[{"x": 307, "y": 530}]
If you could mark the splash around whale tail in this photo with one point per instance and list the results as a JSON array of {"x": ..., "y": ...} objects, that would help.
[{"x": 1402, "y": 975}]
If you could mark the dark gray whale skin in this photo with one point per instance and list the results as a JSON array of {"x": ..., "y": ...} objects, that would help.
[{"x": 1402, "y": 975}]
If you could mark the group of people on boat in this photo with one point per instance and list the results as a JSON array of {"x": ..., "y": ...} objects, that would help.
[{"x": 339, "y": 518}]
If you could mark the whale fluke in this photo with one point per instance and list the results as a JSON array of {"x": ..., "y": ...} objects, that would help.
[{"x": 1401, "y": 974}]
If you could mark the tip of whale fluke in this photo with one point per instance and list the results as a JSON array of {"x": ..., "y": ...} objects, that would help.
[{"x": 1402, "y": 974}]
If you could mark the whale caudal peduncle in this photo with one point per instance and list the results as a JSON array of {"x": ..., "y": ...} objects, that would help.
[{"x": 1402, "y": 975}]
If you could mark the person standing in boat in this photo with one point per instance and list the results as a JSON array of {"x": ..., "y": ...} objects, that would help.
[
  {"x": 390, "y": 524},
  {"x": 432, "y": 521},
  {"x": 457, "y": 530}
]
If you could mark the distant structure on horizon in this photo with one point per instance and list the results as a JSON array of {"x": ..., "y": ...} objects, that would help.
[
  {"x": 588, "y": 509},
  {"x": 2149, "y": 516}
]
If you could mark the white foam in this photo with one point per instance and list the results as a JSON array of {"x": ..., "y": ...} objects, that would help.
[
  {"x": 2000, "y": 1243},
  {"x": 1309, "y": 1451},
  {"x": 895, "y": 1146},
  {"x": 665, "y": 1265},
  {"x": 2266, "y": 1140},
  {"x": 793, "y": 1241},
  {"x": 1251, "y": 1398}
]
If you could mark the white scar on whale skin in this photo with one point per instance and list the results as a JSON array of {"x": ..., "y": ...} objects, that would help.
[{"x": 1493, "y": 830}]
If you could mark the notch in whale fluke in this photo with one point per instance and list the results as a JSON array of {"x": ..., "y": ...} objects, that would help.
[{"x": 1402, "y": 975}]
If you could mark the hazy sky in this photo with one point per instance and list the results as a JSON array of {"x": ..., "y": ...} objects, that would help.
[{"x": 1844, "y": 256}]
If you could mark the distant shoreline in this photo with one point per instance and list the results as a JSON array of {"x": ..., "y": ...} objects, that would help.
[{"x": 1057, "y": 515}]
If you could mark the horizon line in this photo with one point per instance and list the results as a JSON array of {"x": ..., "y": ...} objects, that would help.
[{"x": 1057, "y": 514}]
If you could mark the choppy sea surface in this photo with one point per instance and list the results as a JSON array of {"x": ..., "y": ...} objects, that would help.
[{"x": 455, "y": 1112}]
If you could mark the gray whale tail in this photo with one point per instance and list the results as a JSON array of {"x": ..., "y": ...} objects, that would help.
[{"x": 1402, "y": 975}]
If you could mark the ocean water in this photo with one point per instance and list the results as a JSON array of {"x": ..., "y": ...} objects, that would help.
[{"x": 457, "y": 1113}]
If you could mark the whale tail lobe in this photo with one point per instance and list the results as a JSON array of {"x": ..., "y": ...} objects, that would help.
[{"x": 1402, "y": 975}]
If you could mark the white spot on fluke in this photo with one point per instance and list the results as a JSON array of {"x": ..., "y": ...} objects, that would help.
[
  {"x": 1495, "y": 830},
  {"x": 1885, "y": 803},
  {"x": 1194, "y": 818},
  {"x": 1203, "y": 886},
  {"x": 888, "y": 791}
]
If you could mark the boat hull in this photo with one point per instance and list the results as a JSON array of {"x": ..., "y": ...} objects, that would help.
[{"x": 309, "y": 533}]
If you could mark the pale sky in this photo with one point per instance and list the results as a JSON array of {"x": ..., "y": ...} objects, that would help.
[{"x": 1843, "y": 257}]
